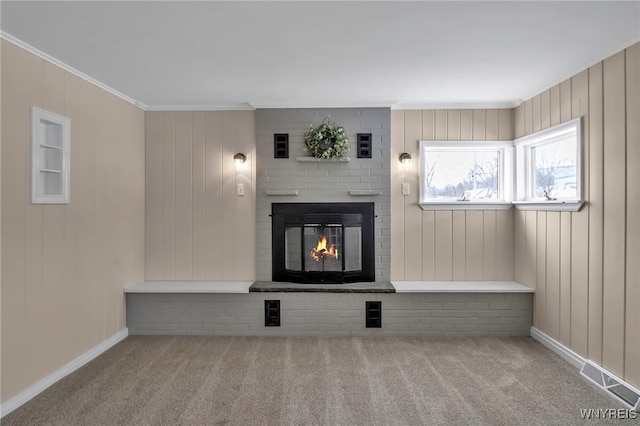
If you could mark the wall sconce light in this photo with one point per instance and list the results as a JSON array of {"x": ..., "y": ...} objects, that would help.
[
  {"x": 239, "y": 160},
  {"x": 405, "y": 159}
]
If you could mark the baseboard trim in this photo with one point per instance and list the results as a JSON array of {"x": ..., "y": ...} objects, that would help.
[
  {"x": 565, "y": 353},
  {"x": 603, "y": 379},
  {"x": 29, "y": 393}
]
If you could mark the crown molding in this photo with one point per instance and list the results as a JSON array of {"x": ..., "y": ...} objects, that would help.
[
  {"x": 219, "y": 107},
  {"x": 457, "y": 105},
  {"x": 380, "y": 104},
  {"x": 25, "y": 46}
]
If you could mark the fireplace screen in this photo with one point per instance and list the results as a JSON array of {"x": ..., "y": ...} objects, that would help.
[
  {"x": 323, "y": 247},
  {"x": 319, "y": 247}
]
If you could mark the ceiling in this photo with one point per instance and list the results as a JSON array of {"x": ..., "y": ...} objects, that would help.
[{"x": 213, "y": 54}]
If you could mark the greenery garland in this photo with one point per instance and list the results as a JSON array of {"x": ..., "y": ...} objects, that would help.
[{"x": 327, "y": 141}]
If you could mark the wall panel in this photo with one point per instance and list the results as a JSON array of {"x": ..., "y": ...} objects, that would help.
[
  {"x": 596, "y": 208},
  {"x": 632, "y": 320},
  {"x": 65, "y": 266},
  {"x": 153, "y": 199},
  {"x": 397, "y": 202},
  {"x": 184, "y": 196},
  {"x": 447, "y": 245},
  {"x": 206, "y": 231},
  {"x": 614, "y": 214},
  {"x": 585, "y": 263},
  {"x": 412, "y": 212}
]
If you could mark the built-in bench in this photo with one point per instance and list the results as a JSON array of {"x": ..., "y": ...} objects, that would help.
[{"x": 415, "y": 308}]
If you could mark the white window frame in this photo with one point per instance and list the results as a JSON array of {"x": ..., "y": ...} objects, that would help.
[
  {"x": 50, "y": 135},
  {"x": 505, "y": 171},
  {"x": 525, "y": 198}
]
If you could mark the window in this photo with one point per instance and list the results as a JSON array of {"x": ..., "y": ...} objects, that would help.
[
  {"x": 465, "y": 175},
  {"x": 49, "y": 157},
  {"x": 549, "y": 169}
]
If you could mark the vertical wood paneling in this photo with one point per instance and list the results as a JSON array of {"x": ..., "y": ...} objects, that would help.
[
  {"x": 412, "y": 214},
  {"x": 545, "y": 110},
  {"x": 489, "y": 246},
  {"x": 519, "y": 121},
  {"x": 505, "y": 131},
  {"x": 154, "y": 195},
  {"x": 213, "y": 200},
  {"x": 79, "y": 216},
  {"x": 428, "y": 125},
  {"x": 453, "y": 250},
  {"x": 229, "y": 200},
  {"x": 579, "y": 244},
  {"x": 441, "y": 124},
  {"x": 492, "y": 125},
  {"x": 505, "y": 242},
  {"x": 198, "y": 179},
  {"x": 535, "y": 111},
  {"x": 244, "y": 211},
  {"x": 428, "y": 246},
  {"x": 584, "y": 264},
  {"x": 81, "y": 107},
  {"x": 541, "y": 268},
  {"x": 183, "y": 197},
  {"x": 479, "y": 124},
  {"x": 632, "y": 322},
  {"x": 552, "y": 245},
  {"x": 453, "y": 124},
  {"x": 466, "y": 124},
  {"x": 566, "y": 262},
  {"x": 444, "y": 244},
  {"x": 614, "y": 214},
  {"x": 53, "y": 235},
  {"x": 168, "y": 196},
  {"x": 397, "y": 202},
  {"x": 530, "y": 259},
  {"x": 474, "y": 244},
  {"x": 565, "y": 101},
  {"x": 459, "y": 246},
  {"x": 519, "y": 247},
  {"x": 22, "y": 222},
  {"x": 554, "y": 104},
  {"x": 64, "y": 266},
  {"x": 528, "y": 117},
  {"x": 596, "y": 208}
]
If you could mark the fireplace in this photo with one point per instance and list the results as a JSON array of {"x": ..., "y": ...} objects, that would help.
[{"x": 323, "y": 243}]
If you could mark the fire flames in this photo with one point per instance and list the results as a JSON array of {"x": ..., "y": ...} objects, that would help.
[{"x": 321, "y": 250}]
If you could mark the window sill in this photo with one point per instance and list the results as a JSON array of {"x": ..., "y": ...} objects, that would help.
[
  {"x": 465, "y": 205},
  {"x": 549, "y": 206}
]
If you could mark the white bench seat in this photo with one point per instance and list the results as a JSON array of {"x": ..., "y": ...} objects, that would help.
[
  {"x": 190, "y": 287},
  {"x": 460, "y": 287}
]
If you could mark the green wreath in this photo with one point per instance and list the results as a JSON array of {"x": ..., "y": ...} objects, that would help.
[{"x": 327, "y": 141}]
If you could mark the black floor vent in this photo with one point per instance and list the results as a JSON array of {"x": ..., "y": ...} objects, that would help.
[
  {"x": 374, "y": 314},
  {"x": 272, "y": 313}
]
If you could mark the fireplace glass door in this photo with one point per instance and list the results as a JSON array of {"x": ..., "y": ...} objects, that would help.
[{"x": 317, "y": 247}]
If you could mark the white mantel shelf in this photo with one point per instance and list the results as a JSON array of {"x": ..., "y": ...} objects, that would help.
[
  {"x": 190, "y": 287},
  {"x": 322, "y": 160},
  {"x": 460, "y": 287}
]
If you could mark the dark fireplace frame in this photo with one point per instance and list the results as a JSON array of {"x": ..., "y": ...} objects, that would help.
[{"x": 287, "y": 214}]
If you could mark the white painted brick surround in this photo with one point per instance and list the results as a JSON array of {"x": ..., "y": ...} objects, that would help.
[
  {"x": 323, "y": 181},
  {"x": 332, "y": 314}
]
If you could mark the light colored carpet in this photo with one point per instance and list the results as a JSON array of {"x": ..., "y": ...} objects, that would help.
[{"x": 171, "y": 380}]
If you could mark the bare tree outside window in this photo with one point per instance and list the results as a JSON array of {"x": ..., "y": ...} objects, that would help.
[
  {"x": 555, "y": 169},
  {"x": 462, "y": 175}
]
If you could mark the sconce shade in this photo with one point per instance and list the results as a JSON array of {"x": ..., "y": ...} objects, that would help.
[
  {"x": 405, "y": 158},
  {"x": 238, "y": 160}
]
